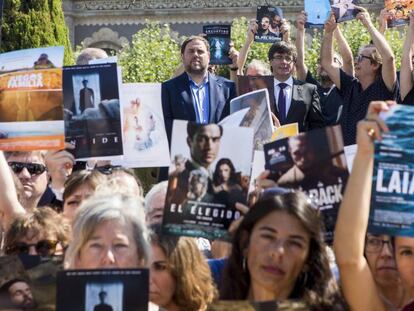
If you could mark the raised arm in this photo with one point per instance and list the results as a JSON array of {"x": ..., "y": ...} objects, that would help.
[
  {"x": 10, "y": 206},
  {"x": 358, "y": 283},
  {"x": 406, "y": 75},
  {"x": 301, "y": 69},
  {"x": 251, "y": 31},
  {"x": 389, "y": 74},
  {"x": 345, "y": 51},
  {"x": 327, "y": 52}
]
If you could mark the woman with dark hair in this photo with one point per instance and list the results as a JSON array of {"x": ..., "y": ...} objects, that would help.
[
  {"x": 278, "y": 253},
  {"x": 225, "y": 182},
  {"x": 180, "y": 277}
]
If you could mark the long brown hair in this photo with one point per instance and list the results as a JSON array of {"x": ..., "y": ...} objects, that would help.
[
  {"x": 194, "y": 286},
  {"x": 313, "y": 286}
]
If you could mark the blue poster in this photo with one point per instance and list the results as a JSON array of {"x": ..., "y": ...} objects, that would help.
[
  {"x": 392, "y": 199},
  {"x": 318, "y": 12}
]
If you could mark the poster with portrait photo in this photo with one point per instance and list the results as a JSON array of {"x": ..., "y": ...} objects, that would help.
[
  {"x": 344, "y": 10},
  {"x": 107, "y": 289},
  {"x": 399, "y": 11},
  {"x": 317, "y": 12},
  {"x": 392, "y": 194},
  {"x": 252, "y": 110},
  {"x": 28, "y": 282},
  {"x": 269, "y": 19},
  {"x": 247, "y": 84},
  {"x": 92, "y": 110},
  {"x": 218, "y": 36},
  {"x": 209, "y": 172},
  {"x": 144, "y": 137},
  {"x": 315, "y": 163},
  {"x": 31, "y": 112}
]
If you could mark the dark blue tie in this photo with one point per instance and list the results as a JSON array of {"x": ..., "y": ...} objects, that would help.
[{"x": 281, "y": 103}]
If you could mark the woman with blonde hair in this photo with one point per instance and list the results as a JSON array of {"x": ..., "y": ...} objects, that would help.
[{"x": 180, "y": 278}]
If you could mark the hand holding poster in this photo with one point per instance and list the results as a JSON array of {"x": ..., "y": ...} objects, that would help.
[
  {"x": 31, "y": 113},
  {"x": 313, "y": 162},
  {"x": 218, "y": 36},
  {"x": 210, "y": 172},
  {"x": 393, "y": 183},
  {"x": 270, "y": 21}
]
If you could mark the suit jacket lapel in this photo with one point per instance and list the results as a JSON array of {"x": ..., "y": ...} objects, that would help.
[
  {"x": 214, "y": 94},
  {"x": 296, "y": 97},
  {"x": 185, "y": 92}
]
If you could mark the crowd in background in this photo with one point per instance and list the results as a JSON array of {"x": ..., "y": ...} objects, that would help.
[{"x": 101, "y": 217}]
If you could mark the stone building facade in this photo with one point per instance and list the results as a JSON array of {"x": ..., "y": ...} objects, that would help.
[{"x": 109, "y": 24}]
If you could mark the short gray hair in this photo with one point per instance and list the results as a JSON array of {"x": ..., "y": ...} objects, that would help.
[
  {"x": 89, "y": 54},
  {"x": 161, "y": 187},
  {"x": 100, "y": 208},
  {"x": 262, "y": 68}
]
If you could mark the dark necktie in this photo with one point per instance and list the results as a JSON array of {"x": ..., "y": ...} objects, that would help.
[{"x": 281, "y": 103}]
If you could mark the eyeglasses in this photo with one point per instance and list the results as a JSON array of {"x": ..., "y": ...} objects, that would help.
[
  {"x": 375, "y": 244},
  {"x": 360, "y": 57},
  {"x": 32, "y": 168},
  {"x": 287, "y": 58},
  {"x": 43, "y": 248}
]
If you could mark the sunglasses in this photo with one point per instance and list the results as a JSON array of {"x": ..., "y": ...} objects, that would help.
[
  {"x": 32, "y": 168},
  {"x": 360, "y": 57},
  {"x": 107, "y": 169},
  {"x": 43, "y": 248}
]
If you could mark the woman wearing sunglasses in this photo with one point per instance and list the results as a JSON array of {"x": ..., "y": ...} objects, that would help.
[{"x": 41, "y": 232}]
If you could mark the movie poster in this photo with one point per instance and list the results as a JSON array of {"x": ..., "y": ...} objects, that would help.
[
  {"x": 144, "y": 137},
  {"x": 31, "y": 112},
  {"x": 92, "y": 110},
  {"x": 317, "y": 12},
  {"x": 269, "y": 19},
  {"x": 107, "y": 289},
  {"x": 313, "y": 162},
  {"x": 31, "y": 275},
  {"x": 252, "y": 110},
  {"x": 218, "y": 36},
  {"x": 344, "y": 10},
  {"x": 209, "y": 173},
  {"x": 247, "y": 84},
  {"x": 399, "y": 11},
  {"x": 393, "y": 180},
  {"x": 286, "y": 130}
]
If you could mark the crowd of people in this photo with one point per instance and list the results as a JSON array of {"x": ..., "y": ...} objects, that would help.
[{"x": 101, "y": 218}]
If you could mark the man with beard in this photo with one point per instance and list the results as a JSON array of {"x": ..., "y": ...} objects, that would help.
[
  {"x": 20, "y": 295},
  {"x": 196, "y": 95},
  {"x": 330, "y": 100}
]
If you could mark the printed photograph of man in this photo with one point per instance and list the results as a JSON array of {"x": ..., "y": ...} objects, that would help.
[
  {"x": 17, "y": 294},
  {"x": 264, "y": 26},
  {"x": 344, "y": 10},
  {"x": 102, "y": 306},
  {"x": 203, "y": 142},
  {"x": 313, "y": 162},
  {"x": 86, "y": 96},
  {"x": 276, "y": 17}
]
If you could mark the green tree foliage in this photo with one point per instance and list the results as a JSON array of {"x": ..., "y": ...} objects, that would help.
[
  {"x": 153, "y": 55},
  {"x": 34, "y": 23}
]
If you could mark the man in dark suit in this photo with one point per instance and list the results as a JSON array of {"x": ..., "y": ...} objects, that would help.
[
  {"x": 86, "y": 97},
  {"x": 296, "y": 101},
  {"x": 196, "y": 95}
]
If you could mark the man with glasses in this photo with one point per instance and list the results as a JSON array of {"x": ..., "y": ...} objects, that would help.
[
  {"x": 375, "y": 75},
  {"x": 330, "y": 100},
  {"x": 296, "y": 101},
  {"x": 30, "y": 169}
]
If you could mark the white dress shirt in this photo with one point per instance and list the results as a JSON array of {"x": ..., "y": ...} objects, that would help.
[{"x": 287, "y": 90}]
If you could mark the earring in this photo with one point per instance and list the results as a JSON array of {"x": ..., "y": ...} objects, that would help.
[{"x": 244, "y": 264}]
